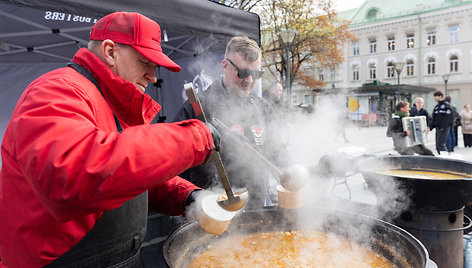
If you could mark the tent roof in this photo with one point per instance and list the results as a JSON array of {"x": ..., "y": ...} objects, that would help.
[{"x": 54, "y": 29}]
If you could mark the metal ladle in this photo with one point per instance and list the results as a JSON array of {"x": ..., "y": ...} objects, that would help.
[
  {"x": 287, "y": 179},
  {"x": 232, "y": 202}
]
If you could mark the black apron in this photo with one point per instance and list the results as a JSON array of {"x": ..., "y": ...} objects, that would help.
[{"x": 115, "y": 239}]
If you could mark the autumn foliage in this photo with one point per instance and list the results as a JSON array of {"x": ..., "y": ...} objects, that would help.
[{"x": 319, "y": 43}]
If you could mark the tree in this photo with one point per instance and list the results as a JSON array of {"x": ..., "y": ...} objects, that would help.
[
  {"x": 247, "y": 5},
  {"x": 319, "y": 42}
]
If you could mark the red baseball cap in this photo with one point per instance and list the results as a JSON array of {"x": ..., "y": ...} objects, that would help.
[{"x": 136, "y": 30}]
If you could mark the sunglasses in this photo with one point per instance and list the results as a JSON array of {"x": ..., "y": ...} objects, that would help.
[{"x": 244, "y": 73}]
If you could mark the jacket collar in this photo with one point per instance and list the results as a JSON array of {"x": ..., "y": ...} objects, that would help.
[{"x": 130, "y": 105}]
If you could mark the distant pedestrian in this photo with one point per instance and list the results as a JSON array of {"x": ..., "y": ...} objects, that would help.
[
  {"x": 274, "y": 95},
  {"x": 398, "y": 134},
  {"x": 341, "y": 124},
  {"x": 441, "y": 119},
  {"x": 451, "y": 140},
  {"x": 466, "y": 125},
  {"x": 418, "y": 110}
]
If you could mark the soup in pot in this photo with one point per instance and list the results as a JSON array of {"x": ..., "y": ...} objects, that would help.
[
  {"x": 421, "y": 174},
  {"x": 289, "y": 249}
]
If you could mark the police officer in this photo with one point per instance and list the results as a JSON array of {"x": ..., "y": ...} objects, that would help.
[{"x": 442, "y": 119}]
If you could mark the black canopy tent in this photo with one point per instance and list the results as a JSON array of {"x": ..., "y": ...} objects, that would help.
[{"x": 37, "y": 36}]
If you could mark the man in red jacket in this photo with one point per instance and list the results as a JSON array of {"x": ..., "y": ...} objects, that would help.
[{"x": 80, "y": 162}]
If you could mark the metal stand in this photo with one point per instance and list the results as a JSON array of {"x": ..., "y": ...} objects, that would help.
[
  {"x": 441, "y": 233},
  {"x": 340, "y": 181},
  {"x": 161, "y": 117}
]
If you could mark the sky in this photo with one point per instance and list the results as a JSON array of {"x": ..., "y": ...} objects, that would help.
[{"x": 341, "y": 5}]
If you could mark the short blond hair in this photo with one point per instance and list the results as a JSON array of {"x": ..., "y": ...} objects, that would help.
[
  {"x": 245, "y": 46},
  {"x": 93, "y": 45}
]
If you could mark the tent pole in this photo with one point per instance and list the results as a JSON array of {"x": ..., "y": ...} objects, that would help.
[{"x": 181, "y": 45}]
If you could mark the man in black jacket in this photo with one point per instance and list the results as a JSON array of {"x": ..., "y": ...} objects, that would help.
[
  {"x": 396, "y": 132},
  {"x": 231, "y": 100},
  {"x": 442, "y": 119}
]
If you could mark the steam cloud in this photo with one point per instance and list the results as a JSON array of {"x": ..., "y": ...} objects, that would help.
[{"x": 309, "y": 137}]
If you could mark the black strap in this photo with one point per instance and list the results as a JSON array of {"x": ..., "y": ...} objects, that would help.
[{"x": 87, "y": 74}]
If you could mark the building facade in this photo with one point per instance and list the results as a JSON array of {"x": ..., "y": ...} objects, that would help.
[{"x": 432, "y": 38}]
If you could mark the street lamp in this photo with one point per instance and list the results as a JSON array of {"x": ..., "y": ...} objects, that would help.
[
  {"x": 445, "y": 78},
  {"x": 398, "y": 68},
  {"x": 287, "y": 38}
]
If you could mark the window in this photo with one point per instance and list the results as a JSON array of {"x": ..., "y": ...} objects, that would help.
[
  {"x": 307, "y": 99},
  {"x": 454, "y": 34},
  {"x": 320, "y": 74},
  {"x": 390, "y": 70},
  {"x": 355, "y": 72},
  {"x": 431, "y": 65},
  {"x": 391, "y": 43},
  {"x": 371, "y": 14},
  {"x": 410, "y": 68},
  {"x": 453, "y": 64},
  {"x": 372, "y": 71},
  {"x": 355, "y": 48},
  {"x": 373, "y": 46},
  {"x": 410, "y": 41},
  {"x": 431, "y": 37},
  {"x": 332, "y": 74}
]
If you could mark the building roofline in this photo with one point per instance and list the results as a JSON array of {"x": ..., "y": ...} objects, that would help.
[{"x": 415, "y": 13}]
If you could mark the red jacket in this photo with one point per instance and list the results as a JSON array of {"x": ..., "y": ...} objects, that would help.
[{"x": 64, "y": 163}]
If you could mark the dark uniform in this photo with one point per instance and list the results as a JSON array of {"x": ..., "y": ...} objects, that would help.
[
  {"x": 250, "y": 116},
  {"x": 442, "y": 119},
  {"x": 396, "y": 132}
]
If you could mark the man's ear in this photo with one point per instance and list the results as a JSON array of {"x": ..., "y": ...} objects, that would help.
[
  {"x": 109, "y": 50},
  {"x": 224, "y": 65}
]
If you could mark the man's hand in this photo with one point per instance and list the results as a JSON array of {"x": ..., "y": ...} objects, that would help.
[
  {"x": 407, "y": 133},
  {"x": 428, "y": 130},
  {"x": 215, "y": 135},
  {"x": 192, "y": 207}
]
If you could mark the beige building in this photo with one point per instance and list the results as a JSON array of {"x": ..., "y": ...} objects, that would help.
[{"x": 432, "y": 37}]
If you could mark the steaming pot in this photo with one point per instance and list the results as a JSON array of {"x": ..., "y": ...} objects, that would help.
[
  {"x": 425, "y": 194},
  {"x": 395, "y": 244}
]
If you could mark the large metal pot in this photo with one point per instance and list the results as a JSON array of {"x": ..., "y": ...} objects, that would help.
[
  {"x": 398, "y": 246},
  {"x": 435, "y": 211},
  {"x": 425, "y": 194}
]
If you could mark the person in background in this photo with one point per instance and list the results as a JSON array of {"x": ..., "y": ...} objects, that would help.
[
  {"x": 231, "y": 100},
  {"x": 418, "y": 110},
  {"x": 273, "y": 95},
  {"x": 451, "y": 141},
  {"x": 341, "y": 122},
  {"x": 81, "y": 162},
  {"x": 397, "y": 133},
  {"x": 466, "y": 125},
  {"x": 442, "y": 119}
]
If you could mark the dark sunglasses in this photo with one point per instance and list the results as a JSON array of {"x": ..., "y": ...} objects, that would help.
[{"x": 244, "y": 73}]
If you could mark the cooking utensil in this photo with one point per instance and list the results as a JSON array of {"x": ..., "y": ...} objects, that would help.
[
  {"x": 293, "y": 179},
  {"x": 231, "y": 202},
  {"x": 246, "y": 145}
]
